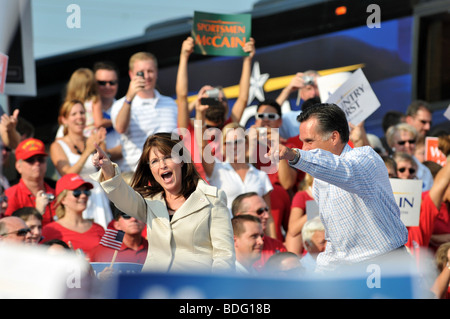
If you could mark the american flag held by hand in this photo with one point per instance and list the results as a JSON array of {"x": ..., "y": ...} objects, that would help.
[{"x": 112, "y": 239}]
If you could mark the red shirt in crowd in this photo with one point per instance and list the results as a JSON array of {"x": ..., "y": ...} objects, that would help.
[
  {"x": 271, "y": 246},
  {"x": 125, "y": 254},
  {"x": 20, "y": 196},
  {"x": 85, "y": 241},
  {"x": 419, "y": 236}
]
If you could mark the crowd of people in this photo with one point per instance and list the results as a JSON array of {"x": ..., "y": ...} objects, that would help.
[{"x": 194, "y": 191}]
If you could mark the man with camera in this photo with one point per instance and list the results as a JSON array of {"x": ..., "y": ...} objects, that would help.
[
  {"x": 143, "y": 111},
  {"x": 305, "y": 83},
  {"x": 32, "y": 190}
]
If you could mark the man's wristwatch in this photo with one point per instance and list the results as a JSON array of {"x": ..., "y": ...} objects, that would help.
[{"x": 296, "y": 158}]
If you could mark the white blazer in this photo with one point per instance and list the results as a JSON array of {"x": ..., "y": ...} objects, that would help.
[{"x": 199, "y": 237}]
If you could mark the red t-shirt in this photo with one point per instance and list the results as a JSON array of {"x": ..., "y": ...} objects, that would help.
[
  {"x": 280, "y": 209},
  {"x": 105, "y": 254},
  {"x": 271, "y": 246},
  {"x": 299, "y": 200},
  {"x": 419, "y": 236},
  {"x": 85, "y": 241},
  {"x": 20, "y": 196}
]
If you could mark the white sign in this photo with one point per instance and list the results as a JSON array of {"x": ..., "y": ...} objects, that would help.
[
  {"x": 328, "y": 84},
  {"x": 408, "y": 196},
  {"x": 356, "y": 98},
  {"x": 312, "y": 209},
  {"x": 33, "y": 272}
]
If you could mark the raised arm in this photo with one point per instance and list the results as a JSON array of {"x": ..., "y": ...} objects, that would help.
[
  {"x": 9, "y": 134},
  {"x": 294, "y": 85},
  {"x": 244, "y": 83},
  {"x": 122, "y": 120},
  {"x": 199, "y": 131},
  {"x": 182, "y": 83},
  {"x": 440, "y": 185}
]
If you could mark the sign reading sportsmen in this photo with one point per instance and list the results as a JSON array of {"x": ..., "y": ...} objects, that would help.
[{"x": 221, "y": 34}]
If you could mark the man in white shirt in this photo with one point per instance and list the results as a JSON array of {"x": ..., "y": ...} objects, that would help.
[{"x": 143, "y": 111}]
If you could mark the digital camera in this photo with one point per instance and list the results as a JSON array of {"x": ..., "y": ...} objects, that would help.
[
  {"x": 49, "y": 196},
  {"x": 212, "y": 99}
]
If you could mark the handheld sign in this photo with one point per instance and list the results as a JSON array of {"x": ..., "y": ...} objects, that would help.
[
  {"x": 432, "y": 152},
  {"x": 328, "y": 84},
  {"x": 408, "y": 196},
  {"x": 356, "y": 98},
  {"x": 221, "y": 34}
]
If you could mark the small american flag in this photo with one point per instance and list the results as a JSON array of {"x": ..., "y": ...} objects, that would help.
[{"x": 112, "y": 238}]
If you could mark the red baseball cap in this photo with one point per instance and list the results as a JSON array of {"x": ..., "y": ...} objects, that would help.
[
  {"x": 71, "y": 182},
  {"x": 29, "y": 148}
]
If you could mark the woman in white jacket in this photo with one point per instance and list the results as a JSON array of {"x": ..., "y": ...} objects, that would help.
[{"x": 188, "y": 224}]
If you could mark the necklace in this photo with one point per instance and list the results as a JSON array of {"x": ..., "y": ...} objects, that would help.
[{"x": 76, "y": 147}]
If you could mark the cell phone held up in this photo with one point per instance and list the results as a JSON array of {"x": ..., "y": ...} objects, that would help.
[
  {"x": 212, "y": 99},
  {"x": 141, "y": 74}
]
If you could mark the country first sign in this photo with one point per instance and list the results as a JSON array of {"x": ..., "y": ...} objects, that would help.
[{"x": 221, "y": 34}]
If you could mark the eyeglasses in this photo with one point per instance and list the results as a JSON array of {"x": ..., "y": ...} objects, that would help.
[
  {"x": 259, "y": 211},
  {"x": 21, "y": 232},
  {"x": 267, "y": 116},
  {"x": 103, "y": 83},
  {"x": 409, "y": 141},
  {"x": 77, "y": 193},
  {"x": 403, "y": 169},
  {"x": 35, "y": 159},
  {"x": 3, "y": 198},
  {"x": 154, "y": 162}
]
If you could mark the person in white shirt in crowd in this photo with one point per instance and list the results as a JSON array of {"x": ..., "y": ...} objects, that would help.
[
  {"x": 248, "y": 243},
  {"x": 143, "y": 111}
]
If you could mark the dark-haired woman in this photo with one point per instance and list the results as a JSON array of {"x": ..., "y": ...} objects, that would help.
[{"x": 188, "y": 223}]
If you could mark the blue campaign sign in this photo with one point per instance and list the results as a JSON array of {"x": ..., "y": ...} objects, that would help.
[{"x": 196, "y": 286}]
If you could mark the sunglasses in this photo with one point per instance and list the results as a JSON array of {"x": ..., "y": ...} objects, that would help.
[
  {"x": 125, "y": 216},
  {"x": 103, "y": 83},
  {"x": 425, "y": 122},
  {"x": 403, "y": 169},
  {"x": 267, "y": 116},
  {"x": 35, "y": 159},
  {"x": 259, "y": 211},
  {"x": 404, "y": 142},
  {"x": 77, "y": 193},
  {"x": 3, "y": 198},
  {"x": 21, "y": 232}
]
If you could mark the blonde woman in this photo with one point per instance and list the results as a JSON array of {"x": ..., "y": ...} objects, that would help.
[
  {"x": 235, "y": 175},
  {"x": 83, "y": 87},
  {"x": 72, "y": 195},
  {"x": 73, "y": 154}
]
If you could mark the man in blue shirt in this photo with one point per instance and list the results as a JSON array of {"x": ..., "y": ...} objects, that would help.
[{"x": 351, "y": 186}]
